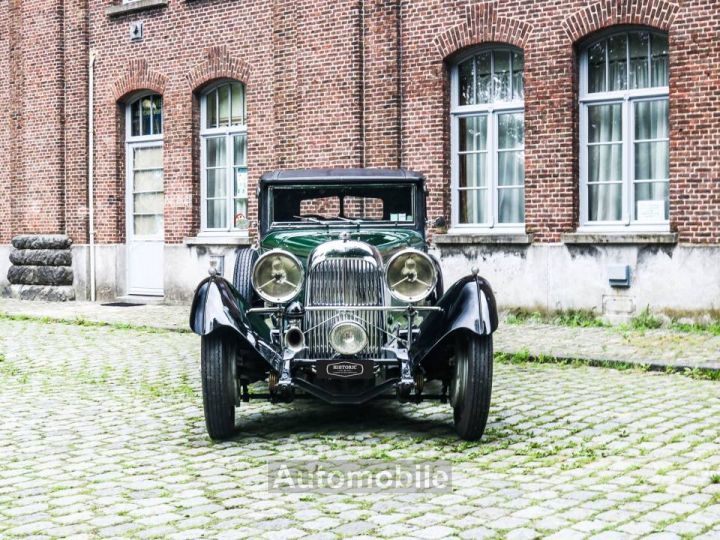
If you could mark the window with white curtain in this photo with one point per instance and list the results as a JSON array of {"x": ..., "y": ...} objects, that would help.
[
  {"x": 624, "y": 132},
  {"x": 488, "y": 140},
  {"x": 223, "y": 143}
]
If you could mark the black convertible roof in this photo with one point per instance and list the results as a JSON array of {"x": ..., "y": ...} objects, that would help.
[{"x": 344, "y": 175}]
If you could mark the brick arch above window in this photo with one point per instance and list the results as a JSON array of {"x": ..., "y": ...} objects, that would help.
[
  {"x": 482, "y": 24},
  {"x": 658, "y": 14},
  {"x": 218, "y": 65},
  {"x": 138, "y": 76}
]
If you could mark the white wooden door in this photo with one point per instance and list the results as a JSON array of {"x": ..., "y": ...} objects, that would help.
[{"x": 145, "y": 225}]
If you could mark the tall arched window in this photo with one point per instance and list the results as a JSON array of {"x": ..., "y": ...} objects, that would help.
[
  {"x": 488, "y": 140},
  {"x": 624, "y": 132},
  {"x": 223, "y": 142}
]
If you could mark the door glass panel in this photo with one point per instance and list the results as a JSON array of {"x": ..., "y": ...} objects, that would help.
[
  {"x": 148, "y": 225},
  {"x": 149, "y": 203},
  {"x": 604, "y": 202},
  {"x": 473, "y": 206},
  {"x": 147, "y": 187},
  {"x": 511, "y": 205}
]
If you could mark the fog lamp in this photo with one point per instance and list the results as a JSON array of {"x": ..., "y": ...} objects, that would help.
[{"x": 348, "y": 338}]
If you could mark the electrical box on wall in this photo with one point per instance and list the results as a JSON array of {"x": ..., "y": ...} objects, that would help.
[
  {"x": 136, "y": 31},
  {"x": 619, "y": 275}
]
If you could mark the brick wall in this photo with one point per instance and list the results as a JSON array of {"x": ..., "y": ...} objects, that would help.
[{"x": 309, "y": 102}]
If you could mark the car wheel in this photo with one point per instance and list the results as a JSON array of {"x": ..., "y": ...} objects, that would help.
[
  {"x": 219, "y": 384},
  {"x": 244, "y": 264},
  {"x": 471, "y": 384}
]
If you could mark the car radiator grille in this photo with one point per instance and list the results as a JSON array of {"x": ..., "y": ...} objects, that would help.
[{"x": 344, "y": 282}]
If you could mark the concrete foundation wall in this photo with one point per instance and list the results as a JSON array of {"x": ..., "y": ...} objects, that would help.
[{"x": 551, "y": 277}]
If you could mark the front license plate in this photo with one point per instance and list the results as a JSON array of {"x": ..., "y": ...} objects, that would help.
[{"x": 345, "y": 369}]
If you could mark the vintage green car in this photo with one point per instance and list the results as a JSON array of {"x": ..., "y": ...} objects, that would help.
[{"x": 341, "y": 301}]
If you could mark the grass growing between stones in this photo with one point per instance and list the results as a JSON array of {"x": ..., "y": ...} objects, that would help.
[
  {"x": 524, "y": 357},
  {"x": 80, "y": 321},
  {"x": 572, "y": 318}
]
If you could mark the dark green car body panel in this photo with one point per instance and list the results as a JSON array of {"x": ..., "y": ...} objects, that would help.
[{"x": 301, "y": 241}]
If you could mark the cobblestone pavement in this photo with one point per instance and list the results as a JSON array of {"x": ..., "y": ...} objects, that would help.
[
  {"x": 652, "y": 347},
  {"x": 102, "y": 435}
]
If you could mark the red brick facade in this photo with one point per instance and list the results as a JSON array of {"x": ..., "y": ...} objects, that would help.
[{"x": 329, "y": 83}]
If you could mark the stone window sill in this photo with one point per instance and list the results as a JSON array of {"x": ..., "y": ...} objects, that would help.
[
  {"x": 218, "y": 241},
  {"x": 484, "y": 239},
  {"x": 620, "y": 238},
  {"x": 135, "y": 6}
]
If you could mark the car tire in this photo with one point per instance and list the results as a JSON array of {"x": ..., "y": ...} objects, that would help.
[
  {"x": 219, "y": 385},
  {"x": 471, "y": 384},
  {"x": 244, "y": 264}
]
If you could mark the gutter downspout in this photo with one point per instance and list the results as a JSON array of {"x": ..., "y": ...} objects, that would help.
[{"x": 91, "y": 170}]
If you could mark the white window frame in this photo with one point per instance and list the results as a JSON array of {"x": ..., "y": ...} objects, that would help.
[
  {"x": 626, "y": 98},
  {"x": 492, "y": 110},
  {"x": 131, "y": 143},
  {"x": 229, "y": 132}
]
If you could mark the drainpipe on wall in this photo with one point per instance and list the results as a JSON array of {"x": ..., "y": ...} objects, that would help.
[
  {"x": 363, "y": 134},
  {"x": 91, "y": 170}
]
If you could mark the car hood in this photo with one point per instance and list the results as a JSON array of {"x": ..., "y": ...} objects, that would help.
[{"x": 301, "y": 243}]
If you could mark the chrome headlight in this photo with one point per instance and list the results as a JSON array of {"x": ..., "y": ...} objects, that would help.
[
  {"x": 277, "y": 276},
  {"x": 348, "y": 338},
  {"x": 410, "y": 275}
]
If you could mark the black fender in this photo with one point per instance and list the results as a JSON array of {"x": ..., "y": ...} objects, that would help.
[
  {"x": 468, "y": 306},
  {"x": 218, "y": 305}
]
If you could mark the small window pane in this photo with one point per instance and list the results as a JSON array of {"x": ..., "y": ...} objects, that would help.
[
  {"x": 148, "y": 181},
  {"x": 511, "y": 168},
  {"x": 651, "y": 161},
  {"x": 217, "y": 214},
  {"x": 135, "y": 119},
  {"x": 467, "y": 83},
  {"x": 651, "y": 201},
  {"x": 511, "y": 130},
  {"x": 518, "y": 83},
  {"x": 482, "y": 77},
  {"x": 604, "y": 202},
  {"x": 473, "y": 133},
  {"x": 473, "y": 206},
  {"x": 149, "y": 203},
  {"x": 241, "y": 216},
  {"x": 605, "y": 123},
  {"x": 146, "y": 112},
  {"x": 651, "y": 119},
  {"x": 473, "y": 170},
  {"x": 659, "y": 60},
  {"x": 240, "y": 150},
  {"x": 501, "y": 76},
  {"x": 216, "y": 152},
  {"x": 639, "y": 59},
  {"x": 157, "y": 104},
  {"x": 238, "y": 104},
  {"x": 148, "y": 225},
  {"x": 224, "y": 106},
  {"x": 216, "y": 183},
  {"x": 596, "y": 67},
  {"x": 147, "y": 158},
  {"x": 241, "y": 183},
  {"x": 511, "y": 205},
  {"x": 212, "y": 110},
  {"x": 605, "y": 163},
  {"x": 617, "y": 62}
]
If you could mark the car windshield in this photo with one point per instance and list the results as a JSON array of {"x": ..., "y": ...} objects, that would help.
[{"x": 326, "y": 204}]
